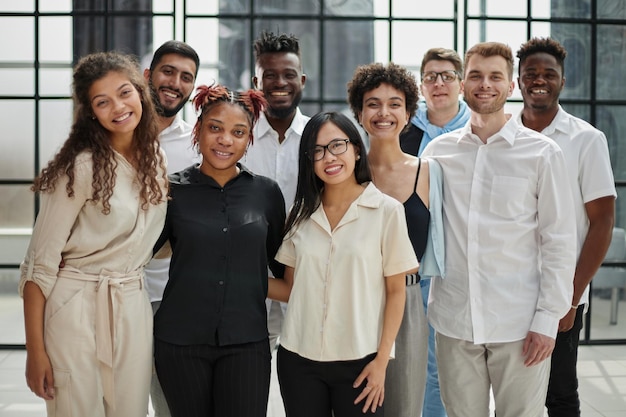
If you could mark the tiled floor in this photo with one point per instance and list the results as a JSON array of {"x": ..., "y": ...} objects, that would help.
[{"x": 602, "y": 371}]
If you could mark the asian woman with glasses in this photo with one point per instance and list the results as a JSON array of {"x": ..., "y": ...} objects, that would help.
[{"x": 347, "y": 251}]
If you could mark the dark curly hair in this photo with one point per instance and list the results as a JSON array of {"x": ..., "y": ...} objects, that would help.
[
  {"x": 371, "y": 76},
  {"x": 268, "y": 43},
  {"x": 208, "y": 96},
  {"x": 547, "y": 45},
  {"x": 88, "y": 135}
]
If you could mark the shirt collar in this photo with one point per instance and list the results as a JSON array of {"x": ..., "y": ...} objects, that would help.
[
  {"x": 297, "y": 124},
  {"x": 507, "y": 132},
  {"x": 177, "y": 124}
]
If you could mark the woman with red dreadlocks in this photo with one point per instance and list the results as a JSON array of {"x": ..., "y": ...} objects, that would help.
[{"x": 224, "y": 225}]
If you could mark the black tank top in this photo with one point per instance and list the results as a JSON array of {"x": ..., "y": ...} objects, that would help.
[{"x": 417, "y": 219}]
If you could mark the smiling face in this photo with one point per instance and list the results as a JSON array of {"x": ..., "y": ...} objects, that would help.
[
  {"x": 441, "y": 96},
  {"x": 279, "y": 76},
  {"x": 384, "y": 112},
  {"x": 116, "y": 104},
  {"x": 171, "y": 82},
  {"x": 487, "y": 84},
  {"x": 222, "y": 139},
  {"x": 335, "y": 169},
  {"x": 541, "y": 81}
]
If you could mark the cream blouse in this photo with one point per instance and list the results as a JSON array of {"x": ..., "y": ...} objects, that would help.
[
  {"x": 337, "y": 302},
  {"x": 75, "y": 230}
]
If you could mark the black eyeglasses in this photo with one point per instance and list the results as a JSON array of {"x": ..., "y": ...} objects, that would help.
[
  {"x": 447, "y": 76},
  {"x": 335, "y": 147}
]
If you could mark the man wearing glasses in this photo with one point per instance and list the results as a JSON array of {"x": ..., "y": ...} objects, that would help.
[{"x": 441, "y": 112}]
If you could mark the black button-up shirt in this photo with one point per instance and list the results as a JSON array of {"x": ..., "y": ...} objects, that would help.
[{"x": 223, "y": 239}]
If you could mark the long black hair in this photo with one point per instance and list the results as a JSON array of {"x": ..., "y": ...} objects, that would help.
[{"x": 310, "y": 186}]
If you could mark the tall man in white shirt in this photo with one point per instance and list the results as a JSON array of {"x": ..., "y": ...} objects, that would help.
[
  {"x": 541, "y": 80},
  {"x": 171, "y": 78},
  {"x": 506, "y": 206},
  {"x": 274, "y": 154}
]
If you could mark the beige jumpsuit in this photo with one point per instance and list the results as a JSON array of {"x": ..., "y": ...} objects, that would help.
[{"x": 98, "y": 320}]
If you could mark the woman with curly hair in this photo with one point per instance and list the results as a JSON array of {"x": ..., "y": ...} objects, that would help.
[
  {"x": 224, "y": 225},
  {"x": 103, "y": 200},
  {"x": 383, "y": 99}
]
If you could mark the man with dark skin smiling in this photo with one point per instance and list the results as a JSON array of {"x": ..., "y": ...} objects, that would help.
[
  {"x": 171, "y": 78},
  {"x": 274, "y": 153},
  {"x": 541, "y": 80}
]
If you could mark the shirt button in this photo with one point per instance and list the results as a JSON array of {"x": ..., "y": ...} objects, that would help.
[
  {"x": 221, "y": 282},
  {"x": 225, "y": 229}
]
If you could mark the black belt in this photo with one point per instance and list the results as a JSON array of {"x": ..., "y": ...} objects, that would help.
[{"x": 412, "y": 279}]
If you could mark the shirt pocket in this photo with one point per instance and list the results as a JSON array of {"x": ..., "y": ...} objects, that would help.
[{"x": 508, "y": 195}]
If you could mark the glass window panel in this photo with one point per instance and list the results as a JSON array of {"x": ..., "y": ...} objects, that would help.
[
  {"x": 55, "y": 122},
  {"x": 17, "y": 82},
  {"x": 11, "y": 308},
  {"x": 293, "y": 6},
  {"x": 577, "y": 41},
  {"x": 27, "y": 6},
  {"x": 55, "y": 82},
  {"x": 163, "y": 6},
  {"x": 611, "y": 9},
  {"x": 612, "y": 121},
  {"x": 540, "y": 29},
  {"x": 611, "y": 61},
  {"x": 308, "y": 33},
  {"x": 382, "y": 51},
  {"x": 162, "y": 31},
  {"x": 381, "y": 8},
  {"x": 17, "y": 144},
  {"x": 55, "y": 39},
  {"x": 203, "y": 35},
  {"x": 507, "y": 32},
  {"x": 497, "y": 8},
  {"x": 55, "y": 6},
  {"x": 22, "y": 48},
  {"x": 229, "y": 48},
  {"x": 571, "y": 8},
  {"x": 341, "y": 58},
  {"x": 350, "y": 7},
  {"x": 540, "y": 9},
  {"x": 410, "y": 54},
  {"x": 620, "y": 207},
  {"x": 211, "y": 7},
  {"x": 16, "y": 212},
  {"x": 441, "y": 9}
]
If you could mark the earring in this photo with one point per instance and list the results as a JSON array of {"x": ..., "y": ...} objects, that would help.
[
  {"x": 93, "y": 117},
  {"x": 358, "y": 157}
]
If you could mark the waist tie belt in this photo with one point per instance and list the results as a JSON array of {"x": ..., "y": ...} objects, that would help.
[
  {"x": 108, "y": 303},
  {"x": 412, "y": 279}
]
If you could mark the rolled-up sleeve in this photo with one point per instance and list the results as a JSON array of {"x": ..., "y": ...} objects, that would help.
[{"x": 54, "y": 224}]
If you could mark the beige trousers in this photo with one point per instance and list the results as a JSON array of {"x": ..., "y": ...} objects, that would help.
[
  {"x": 467, "y": 372},
  {"x": 98, "y": 335}
]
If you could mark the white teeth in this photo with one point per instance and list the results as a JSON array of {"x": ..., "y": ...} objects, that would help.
[
  {"x": 280, "y": 93},
  {"x": 170, "y": 95},
  {"x": 222, "y": 153},
  {"x": 539, "y": 91},
  {"x": 332, "y": 170},
  {"x": 122, "y": 118},
  {"x": 384, "y": 124}
]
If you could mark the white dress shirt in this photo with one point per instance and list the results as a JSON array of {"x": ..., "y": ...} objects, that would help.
[
  {"x": 175, "y": 140},
  {"x": 279, "y": 161},
  {"x": 510, "y": 236},
  {"x": 588, "y": 164}
]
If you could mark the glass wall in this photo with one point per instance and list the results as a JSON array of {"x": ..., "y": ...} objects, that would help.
[{"x": 336, "y": 36}]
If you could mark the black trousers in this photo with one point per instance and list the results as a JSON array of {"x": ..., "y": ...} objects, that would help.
[
  {"x": 321, "y": 389},
  {"x": 214, "y": 381},
  {"x": 562, "y": 399}
]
